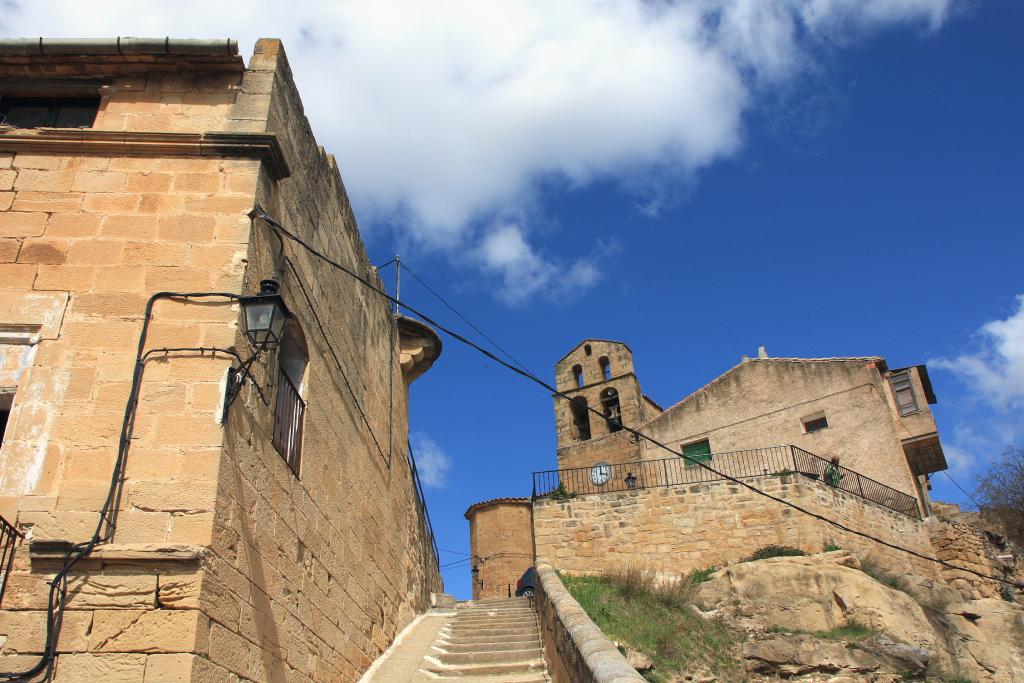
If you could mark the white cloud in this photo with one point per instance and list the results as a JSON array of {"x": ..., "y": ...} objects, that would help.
[
  {"x": 446, "y": 115},
  {"x": 995, "y": 373},
  {"x": 523, "y": 273},
  {"x": 431, "y": 461}
]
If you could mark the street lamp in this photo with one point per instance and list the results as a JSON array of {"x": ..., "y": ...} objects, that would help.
[
  {"x": 630, "y": 481},
  {"x": 264, "y": 315}
]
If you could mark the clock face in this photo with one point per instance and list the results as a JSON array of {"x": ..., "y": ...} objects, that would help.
[{"x": 601, "y": 473}]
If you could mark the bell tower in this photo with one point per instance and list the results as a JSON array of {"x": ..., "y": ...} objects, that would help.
[{"x": 597, "y": 374}]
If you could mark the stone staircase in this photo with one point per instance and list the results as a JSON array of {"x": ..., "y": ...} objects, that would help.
[{"x": 488, "y": 640}]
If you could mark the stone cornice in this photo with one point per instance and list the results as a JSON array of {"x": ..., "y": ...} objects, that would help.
[{"x": 263, "y": 146}]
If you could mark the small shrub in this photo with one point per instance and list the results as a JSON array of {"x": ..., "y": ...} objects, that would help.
[
  {"x": 830, "y": 545},
  {"x": 561, "y": 494},
  {"x": 774, "y": 551},
  {"x": 699, "y": 576},
  {"x": 634, "y": 580},
  {"x": 880, "y": 575}
]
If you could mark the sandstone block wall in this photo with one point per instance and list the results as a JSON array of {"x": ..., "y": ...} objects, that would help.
[
  {"x": 312, "y": 576},
  {"x": 225, "y": 565},
  {"x": 762, "y": 403},
  {"x": 680, "y": 528},
  {"x": 501, "y": 544},
  {"x": 968, "y": 546}
]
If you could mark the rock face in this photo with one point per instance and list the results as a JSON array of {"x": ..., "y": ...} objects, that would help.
[{"x": 926, "y": 628}]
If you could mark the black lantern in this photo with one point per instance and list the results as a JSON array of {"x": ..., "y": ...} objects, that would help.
[
  {"x": 265, "y": 315},
  {"x": 630, "y": 481},
  {"x": 476, "y": 572}
]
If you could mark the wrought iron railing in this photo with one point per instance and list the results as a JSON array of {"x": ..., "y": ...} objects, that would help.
[
  {"x": 757, "y": 462},
  {"x": 426, "y": 527},
  {"x": 288, "y": 421},
  {"x": 9, "y": 537}
]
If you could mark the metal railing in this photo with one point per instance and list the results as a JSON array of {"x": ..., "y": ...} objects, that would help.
[
  {"x": 757, "y": 462},
  {"x": 9, "y": 537},
  {"x": 288, "y": 421},
  {"x": 426, "y": 527}
]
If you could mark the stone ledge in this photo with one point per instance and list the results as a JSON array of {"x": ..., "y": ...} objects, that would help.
[
  {"x": 263, "y": 146},
  {"x": 54, "y": 550},
  {"x": 590, "y": 649}
]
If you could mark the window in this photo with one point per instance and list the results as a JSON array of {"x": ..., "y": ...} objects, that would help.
[
  {"x": 577, "y": 372},
  {"x": 815, "y": 423},
  {"x": 697, "y": 452},
  {"x": 580, "y": 417},
  {"x": 606, "y": 367},
  {"x": 290, "y": 409},
  {"x": 903, "y": 391},
  {"x": 49, "y": 112},
  {"x": 6, "y": 401},
  {"x": 587, "y": 350},
  {"x": 612, "y": 411}
]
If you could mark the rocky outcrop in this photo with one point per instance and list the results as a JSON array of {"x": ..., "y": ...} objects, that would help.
[{"x": 925, "y": 626}]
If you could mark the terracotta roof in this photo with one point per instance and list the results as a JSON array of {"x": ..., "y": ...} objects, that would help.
[
  {"x": 716, "y": 380},
  {"x": 494, "y": 501}
]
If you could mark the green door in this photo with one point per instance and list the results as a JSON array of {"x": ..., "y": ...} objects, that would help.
[{"x": 698, "y": 451}]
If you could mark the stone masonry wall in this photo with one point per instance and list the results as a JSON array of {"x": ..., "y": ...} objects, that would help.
[
  {"x": 312, "y": 576},
  {"x": 501, "y": 543},
  {"x": 679, "y": 528},
  {"x": 85, "y": 239},
  {"x": 968, "y": 546}
]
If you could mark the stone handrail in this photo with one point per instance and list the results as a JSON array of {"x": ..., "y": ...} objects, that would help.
[{"x": 577, "y": 650}]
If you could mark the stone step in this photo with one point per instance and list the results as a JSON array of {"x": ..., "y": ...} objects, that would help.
[
  {"x": 496, "y": 610},
  {"x": 486, "y": 646},
  {"x": 482, "y": 657},
  {"x": 491, "y": 669},
  {"x": 457, "y": 633},
  {"x": 535, "y": 677},
  {"x": 493, "y": 622},
  {"x": 497, "y": 601}
]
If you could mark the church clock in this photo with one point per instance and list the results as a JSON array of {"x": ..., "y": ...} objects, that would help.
[{"x": 600, "y": 473}]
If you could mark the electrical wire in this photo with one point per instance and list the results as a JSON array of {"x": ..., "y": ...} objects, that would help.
[
  {"x": 258, "y": 212},
  {"x": 464, "y": 318},
  {"x": 948, "y": 476},
  {"x": 337, "y": 361},
  {"x": 107, "y": 523}
]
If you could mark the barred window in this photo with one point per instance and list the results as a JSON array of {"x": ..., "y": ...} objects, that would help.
[{"x": 290, "y": 409}]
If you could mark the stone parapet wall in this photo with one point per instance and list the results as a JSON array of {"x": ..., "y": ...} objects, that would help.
[
  {"x": 973, "y": 548},
  {"x": 577, "y": 651},
  {"x": 677, "y": 529}
]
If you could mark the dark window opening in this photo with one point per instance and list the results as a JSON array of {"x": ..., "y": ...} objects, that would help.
[
  {"x": 49, "y": 112},
  {"x": 580, "y": 417},
  {"x": 815, "y": 424},
  {"x": 290, "y": 410},
  {"x": 612, "y": 411},
  {"x": 903, "y": 390},
  {"x": 606, "y": 367},
  {"x": 697, "y": 452},
  {"x": 587, "y": 350},
  {"x": 6, "y": 402},
  {"x": 577, "y": 372}
]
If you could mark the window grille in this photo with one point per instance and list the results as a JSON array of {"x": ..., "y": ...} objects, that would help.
[{"x": 288, "y": 414}]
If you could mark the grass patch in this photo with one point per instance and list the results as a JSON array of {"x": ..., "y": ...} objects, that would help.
[
  {"x": 699, "y": 576},
  {"x": 880, "y": 575},
  {"x": 850, "y": 631},
  {"x": 632, "y": 607},
  {"x": 830, "y": 545},
  {"x": 774, "y": 551}
]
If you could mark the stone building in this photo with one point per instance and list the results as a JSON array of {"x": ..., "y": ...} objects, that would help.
[
  {"x": 500, "y": 544},
  {"x": 256, "y": 513},
  {"x": 874, "y": 419},
  {"x": 849, "y": 439}
]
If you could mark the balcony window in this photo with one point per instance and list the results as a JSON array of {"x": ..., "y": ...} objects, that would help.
[
  {"x": 49, "y": 112},
  {"x": 903, "y": 391}
]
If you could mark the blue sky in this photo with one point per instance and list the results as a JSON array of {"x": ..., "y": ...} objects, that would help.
[{"x": 823, "y": 177}]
